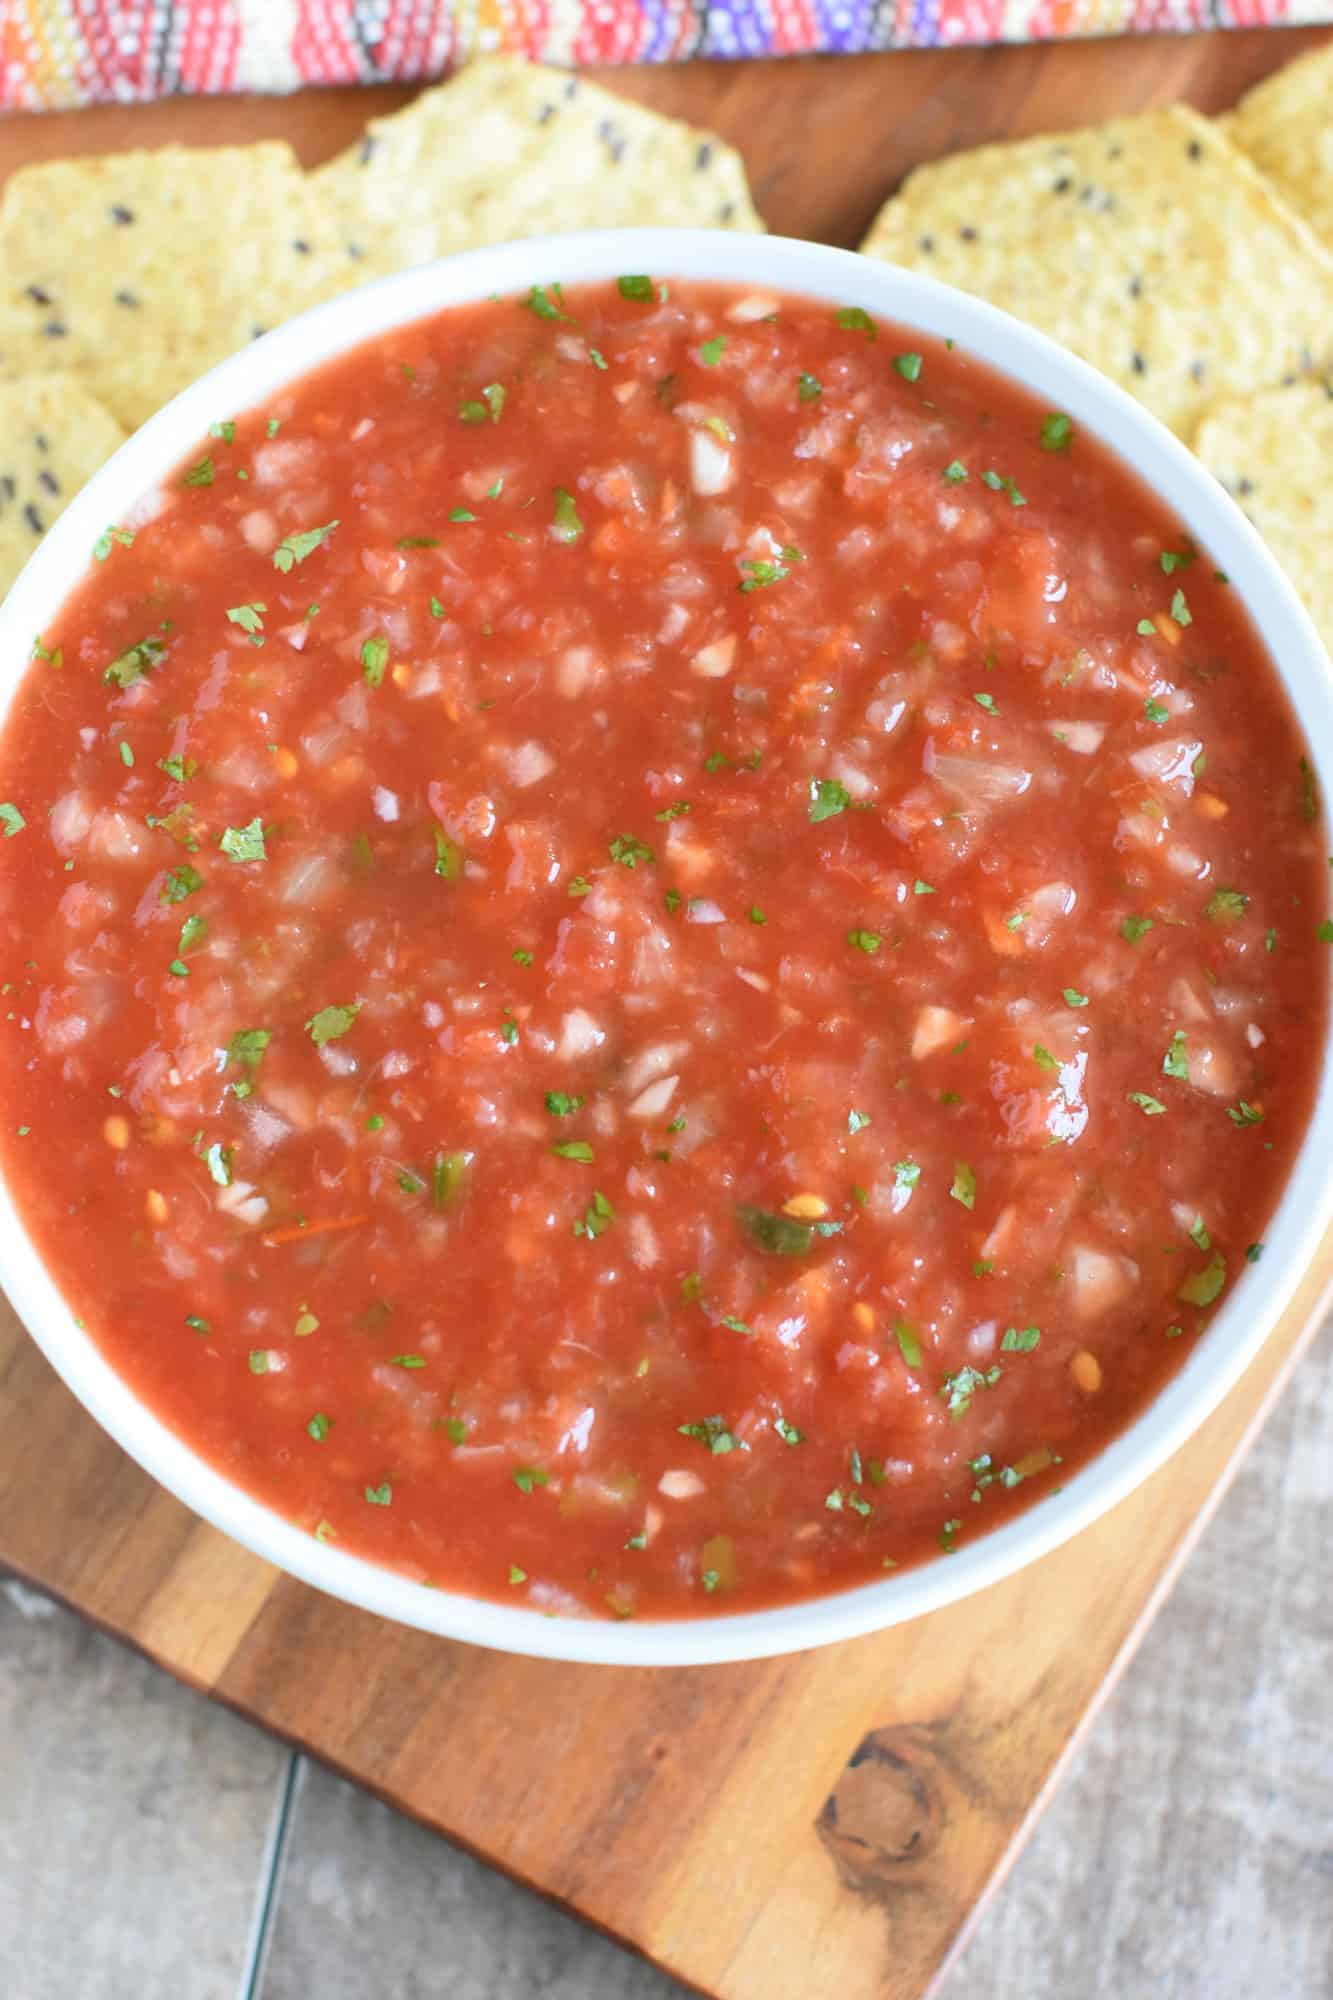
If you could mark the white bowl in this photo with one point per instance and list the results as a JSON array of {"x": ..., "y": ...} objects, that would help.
[{"x": 1236, "y": 1332}]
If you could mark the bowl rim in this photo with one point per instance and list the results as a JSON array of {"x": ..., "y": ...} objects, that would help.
[{"x": 1257, "y": 1296}]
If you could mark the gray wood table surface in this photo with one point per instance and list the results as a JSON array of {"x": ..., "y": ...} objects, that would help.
[{"x": 154, "y": 1847}]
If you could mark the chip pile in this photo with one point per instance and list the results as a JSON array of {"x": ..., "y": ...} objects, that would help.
[
  {"x": 120, "y": 288},
  {"x": 1189, "y": 259}
]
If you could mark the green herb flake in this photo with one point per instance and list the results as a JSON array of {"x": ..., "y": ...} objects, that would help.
[
  {"x": 218, "y": 1160},
  {"x": 1173, "y": 559},
  {"x": 1057, "y": 431},
  {"x": 637, "y": 288},
  {"x": 574, "y": 1149},
  {"x": 788, "y": 1432},
  {"x": 196, "y": 1324},
  {"x": 200, "y": 474},
  {"x": 1151, "y": 1107},
  {"x": 855, "y": 319},
  {"x": 517, "y": 1575},
  {"x": 1134, "y": 928},
  {"x": 448, "y": 856},
  {"x": 379, "y": 1496},
  {"x": 1043, "y": 1058},
  {"x": 1198, "y": 1233},
  {"x": 906, "y": 1174},
  {"x": 1073, "y": 998},
  {"x": 986, "y": 701},
  {"x": 1156, "y": 711},
  {"x": 959, "y": 1389},
  {"x": 809, "y": 388},
  {"x": 629, "y": 852},
  {"x": 11, "y": 819},
  {"x": 1175, "y": 1062},
  {"x": 1242, "y": 1113},
  {"x": 258, "y": 1361},
  {"x": 712, "y": 1432},
  {"x": 319, "y": 1427},
  {"x": 866, "y": 941},
  {"x": 1146, "y": 629},
  {"x": 131, "y": 666},
  {"x": 857, "y": 1121},
  {"x": 1020, "y": 1339},
  {"x": 546, "y": 302},
  {"x": 329, "y": 1024},
  {"x": 908, "y": 1344},
  {"x": 920, "y": 888},
  {"x": 760, "y": 574},
  {"x": 109, "y": 539},
  {"x": 964, "y": 1187},
  {"x": 1202, "y": 1287},
  {"x": 566, "y": 525},
  {"x": 908, "y": 366},
  {"x": 1180, "y": 610},
  {"x": 955, "y": 472},
  {"x": 827, "y": 799},
  {"x": 596, "y": 1218},
  {"x": 294, "y": 549},
  {"x": 1226, "y": 906},
  {"x": 712, "y": 350},
  {"x": 244, "y": 843}
]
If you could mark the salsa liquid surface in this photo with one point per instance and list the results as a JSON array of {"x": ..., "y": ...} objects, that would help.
[{"x": 664, "y": 949}]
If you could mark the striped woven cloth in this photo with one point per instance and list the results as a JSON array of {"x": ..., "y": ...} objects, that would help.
[{"x": 56, "y": 53}]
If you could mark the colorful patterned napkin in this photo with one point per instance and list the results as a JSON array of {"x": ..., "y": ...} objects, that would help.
[{"x": 57, "y": 53}]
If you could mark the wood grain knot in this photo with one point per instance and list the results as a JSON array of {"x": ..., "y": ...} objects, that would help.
[{"x": 886, "y": 1814}]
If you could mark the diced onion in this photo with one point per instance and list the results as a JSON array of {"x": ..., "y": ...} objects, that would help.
[
  {"x": 529, "y": 763},
  {"x": 977, "y": 781},
  {"x": 714, "y": 661},
  {"x": 712, "y": 467},
  {"x": 1084, "y": 737},
  {"x": 653, "y": 1101},
  {"x": 755, "y": 305},
  {"x": 680, "y": 1484},
  {"x": 579, "y": 1035},
  {"x": 703, "y": 910}
]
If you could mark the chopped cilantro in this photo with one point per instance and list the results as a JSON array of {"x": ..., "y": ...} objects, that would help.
[
  {"x": 955, "y": 472},
  {"x": 958, "y": 1389},
  {"x": 1146, "y": 629},
  {"x": 246, "y": 1047},
  {"x": 1043, "y": 1057},
  {"x": 1173, "y": 559},
  {"x": 561, "y": 1106},
  {"x": 566, "y": 525},
  {"x": 379, "y": 1496},
  {"x": 1180, "y": 610},
  {"x": 244, "y": 843},
  {"x": 677, "y": 810},
  {"x": 637, "y": 288},
  {"x": 528, "y": 1476},
  {"x": 1199, "y": 1236},
  {"x": 809, "y": 388},
  {"x": 545, "y": 303},
  {"x": 1057, "y": 431},
  {"x": 374, "y": 659},
  {"x": 857, "y": 1121},
  {"x": 1020, "y": 1339},
  {"x": 448, "y": 856},
  {"x": 520, "y": 956},
  {"x": 294, "y": 549},
  {"x": 712, "y": 1432},
  {"x": 259, "y": 1361},
  {"x": 218, "y": 1160},
  {"x": 180, "y": 883},
  {"x": 581, "y": 886},
  {"x": 250, "y": 618},
  {"x": 1242, "y": 1113},
  {"x": 782, "y": 1234},
  {"x": 1134, "y": 928},
  {"x": 1322, "y": 930},
  {"x": 788, "y": 1432},
  {"x": 964, "y": 1187},
  {"x": 998, "y": 484},
  {"x": 318, "y": 1427},
  {"x": 986, "y": 701},
  {"x": 908, "y": 366},
  {"x": 629, "y": 852},
  {"x": 1226, "y": 906},
  {"x": 1156, "y": 711},
  {"x": 458, "y": 514},
  {"x": 855, "y": 319},
  {"x": 200, "y": 474},
  {"x": 908, "y": 1344},
  {"x": 712, "y": 350},
  {"x": 920, "y": 888},
  {"x": 1151, "y": 1107},
  {"x": 11, "y": 819},
  {"x": 759, "y": 574},
  {"x": 827, "y": 798},
  {"x": 1176, "y": 1060},
  {"x": 126, "y": 755},
  {"x": 573, "y": 1149},
  {"x": 598, "y": 1216},
  {"x": 179, "y": 769},
  {"x": 329, "y": 1024},
  {"x": 517, "y": 1575},
  {"x": 866, "y": 941},
  {"x": 1253, "y": 1252},
  {"x": 508, "y": 1030},
  {"x": 1202, "y": 1287},
  {"x": 108, "y": 538},
  {"x": 1073, "y": 998},
  {"x": 130, "y": 667}
]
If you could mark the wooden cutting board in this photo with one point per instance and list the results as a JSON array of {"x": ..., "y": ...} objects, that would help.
[{"x": 794, "y": 1830}]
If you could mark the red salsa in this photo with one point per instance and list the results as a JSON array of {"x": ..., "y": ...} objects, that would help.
[{"x": 662, "y": 948}]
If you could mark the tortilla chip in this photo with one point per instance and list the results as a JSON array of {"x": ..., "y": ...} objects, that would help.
[
  {"x": 508, "y": 149},
  {"x": 1150, "y": 246},
  {"x": 53, "y": 437},
  {"x": 138, "y": 271},
  {"x": 1286, "y": 127},
  {"x": 1273, "y": 453}
]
